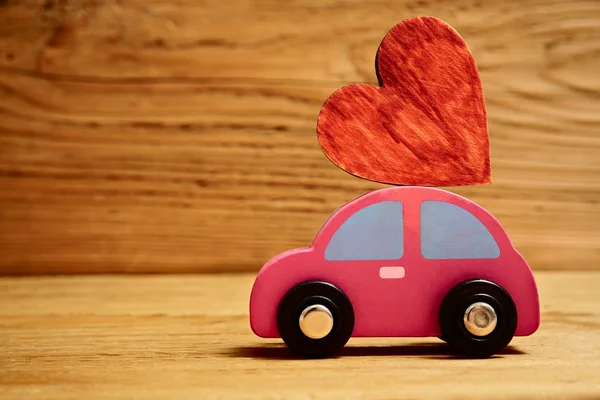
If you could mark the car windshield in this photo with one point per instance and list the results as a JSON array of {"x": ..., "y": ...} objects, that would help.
[{"x": 375, "y": 232}]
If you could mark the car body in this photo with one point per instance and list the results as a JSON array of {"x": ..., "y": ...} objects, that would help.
[{"x": 396, "y": 253}]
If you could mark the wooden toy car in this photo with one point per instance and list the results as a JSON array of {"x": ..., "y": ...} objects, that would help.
[{"x": 399, "y": 262}]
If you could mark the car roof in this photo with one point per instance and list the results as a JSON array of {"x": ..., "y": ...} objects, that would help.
[{"x": 406, "y": 194}]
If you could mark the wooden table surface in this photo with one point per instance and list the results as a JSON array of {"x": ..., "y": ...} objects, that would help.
[{"x": 188, "y": 337}]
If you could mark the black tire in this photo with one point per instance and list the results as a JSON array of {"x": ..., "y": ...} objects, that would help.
[
  {"x": 304, "y": 295},
  {"x": 452, "y": 313}
]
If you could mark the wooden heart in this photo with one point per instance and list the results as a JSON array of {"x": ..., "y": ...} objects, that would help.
[{"x": 424, "y": 125}]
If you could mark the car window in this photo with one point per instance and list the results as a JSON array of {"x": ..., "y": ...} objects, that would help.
[
  {"x": 375, "y": 232},
  {"x": 451, "y": 232}
]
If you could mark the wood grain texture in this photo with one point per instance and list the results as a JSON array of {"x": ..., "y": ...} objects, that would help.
[
  {"x": 425, "y": 123},
  {"x": 148, "y": 136},
  {"x": 188, "y": 337}
]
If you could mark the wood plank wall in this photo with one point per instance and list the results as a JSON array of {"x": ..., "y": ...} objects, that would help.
[{"x": 179, "y": 135}]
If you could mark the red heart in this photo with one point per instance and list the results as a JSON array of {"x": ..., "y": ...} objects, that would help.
[{"x": 425, "y": 125}]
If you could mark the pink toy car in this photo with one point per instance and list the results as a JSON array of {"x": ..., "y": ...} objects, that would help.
[{"x": 399, "y": 262}]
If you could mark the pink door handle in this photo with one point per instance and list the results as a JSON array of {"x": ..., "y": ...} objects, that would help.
[{"x": 391, "y": 272}]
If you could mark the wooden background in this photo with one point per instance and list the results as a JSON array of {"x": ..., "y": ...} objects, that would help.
[{"x": 179, "y": 135}]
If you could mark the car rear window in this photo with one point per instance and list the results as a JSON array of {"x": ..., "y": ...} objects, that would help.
[{"x": 451, "y": 232}]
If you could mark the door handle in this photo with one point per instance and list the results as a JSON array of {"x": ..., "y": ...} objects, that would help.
[{"x": 391, "y": 272}]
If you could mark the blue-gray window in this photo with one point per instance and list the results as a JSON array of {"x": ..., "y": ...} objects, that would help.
[
  {"x": 375, "y": 232},
  {"x": 451, "y": 232}
]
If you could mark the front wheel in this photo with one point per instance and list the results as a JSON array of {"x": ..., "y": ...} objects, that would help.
[
  {"x": 315, "y": 319},
  {"x": 478, "y": 318}
]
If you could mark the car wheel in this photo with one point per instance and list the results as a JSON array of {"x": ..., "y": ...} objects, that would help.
[
  {"x": 315, "y": 319},
  {"x": 478, "y": 318}
]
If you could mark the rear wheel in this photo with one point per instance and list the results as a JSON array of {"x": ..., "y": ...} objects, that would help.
[
  {"x": 478, "y": 318},
  {"x": 315, "y": 319}
]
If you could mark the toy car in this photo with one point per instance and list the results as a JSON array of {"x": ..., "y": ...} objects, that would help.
[{"x": 399, "y": 262}]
